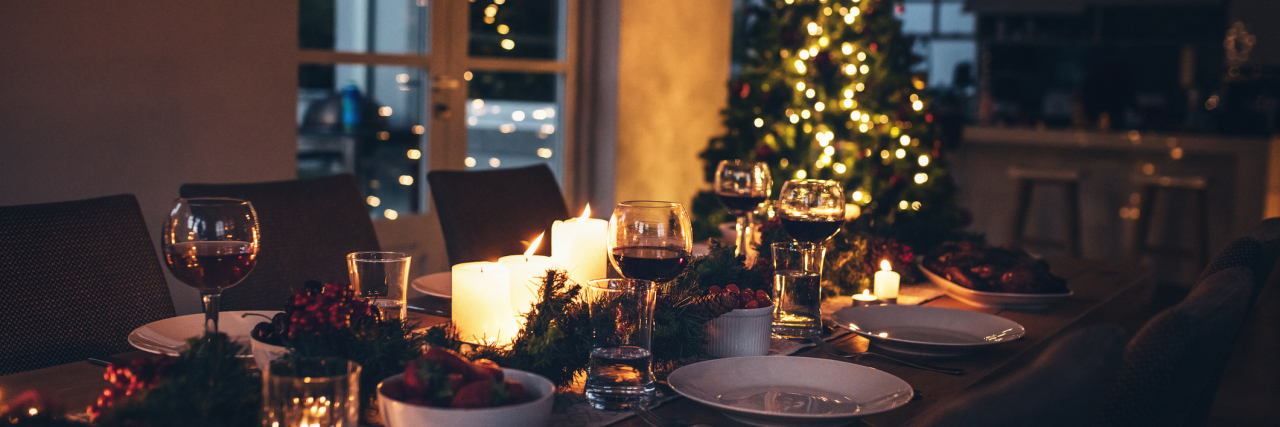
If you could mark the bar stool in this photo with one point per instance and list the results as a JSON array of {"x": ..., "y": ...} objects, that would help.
[
  {"x": 1028, "y": 180},
  {"x": 1153, "y": 185}
]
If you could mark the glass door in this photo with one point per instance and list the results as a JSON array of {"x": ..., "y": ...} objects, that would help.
[{"x": 389, "y": 89}]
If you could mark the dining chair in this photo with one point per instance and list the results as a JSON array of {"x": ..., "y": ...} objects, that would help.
[
  {"x": 488, "y": 214},
  {"x": 75, "y": 279},
  {"x": 307, "y": 228},
  {"x": 1061, "y": 387},
  {"x": 1173, "y": 365}
]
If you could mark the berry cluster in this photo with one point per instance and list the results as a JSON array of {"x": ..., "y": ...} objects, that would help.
[
  {"x": 319, "y": 309},
  {"x": 746, "y": 298},
  {"x": 137, "y": 376}
]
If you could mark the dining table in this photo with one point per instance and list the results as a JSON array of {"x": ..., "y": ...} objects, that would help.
[{"x": 1103, "y": 292}]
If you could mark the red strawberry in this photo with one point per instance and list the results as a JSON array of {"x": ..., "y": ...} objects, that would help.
[
  {"x": 418, "y": 376},
  {"x": 752, "y": 304},
  {"x": 447, "y": 359},
  {"x": 516, "y": 393},
  {"x": 731, "y": 288},
  {"x": 478, "y": 394},
  {"x": 761, "y": 293},
  {"x": 484, "y": 369}
]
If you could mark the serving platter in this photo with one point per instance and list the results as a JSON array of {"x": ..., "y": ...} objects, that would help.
[{"x": 996, "y": 300}]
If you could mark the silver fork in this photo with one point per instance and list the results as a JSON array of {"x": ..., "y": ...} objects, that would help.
[{"x": 838, "y": 353}]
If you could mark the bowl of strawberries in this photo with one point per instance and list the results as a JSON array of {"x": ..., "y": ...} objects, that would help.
[
  {"x": 441, "y": 388},
  {"x": 745, "y": 330}
]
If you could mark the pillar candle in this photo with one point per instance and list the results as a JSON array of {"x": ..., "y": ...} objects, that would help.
[
  {"x": 578, "y": 247},
  {"x": 886, "y": 283},
  {"x": 482, "y": 303}
]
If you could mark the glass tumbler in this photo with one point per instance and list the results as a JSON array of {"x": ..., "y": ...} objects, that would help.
[
  {"x": 318, "y": 392},
  {"x": 620, "y": 373},
  {"x": 381, "y": 277},
  {"x": 797, "y": 289}
]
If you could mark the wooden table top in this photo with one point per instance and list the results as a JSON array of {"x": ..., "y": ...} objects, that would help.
[{"x": 1104, "y": 292}]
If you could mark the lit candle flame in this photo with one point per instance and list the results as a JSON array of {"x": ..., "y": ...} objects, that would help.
[
  {"x": 586, "y": 212},
  {"x": 866, "y": 292},
  {"x": 884, "y": 265},
  {"x": 533, "y": 247}
]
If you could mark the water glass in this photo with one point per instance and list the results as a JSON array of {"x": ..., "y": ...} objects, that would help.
[
  {"x": 381, "y": 277},
  {"x": 797, "y": 288},
  {"x": 620, "y": 374},
  {"x": 311, "y": 392}
]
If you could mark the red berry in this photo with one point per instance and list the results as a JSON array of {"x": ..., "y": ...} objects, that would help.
[
  {"x": 715, "y": 290},
  {"x": 752, "y": 304},
  {"x": 761, "y": 293},
  {"x": 732, "y": 288}
]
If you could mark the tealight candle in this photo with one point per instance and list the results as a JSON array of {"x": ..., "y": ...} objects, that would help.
[
  {"x": 577, "y": 247},
  {"x": 482, "y": 303},
  {"x": 864, "y": 299},
  {"x": 886, "y": 283},
  {"x": 527, "y": 273}
]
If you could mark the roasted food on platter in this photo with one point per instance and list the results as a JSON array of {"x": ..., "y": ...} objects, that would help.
[{"x": 991, "y": 269}]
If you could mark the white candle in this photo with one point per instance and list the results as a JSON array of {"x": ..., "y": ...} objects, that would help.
[
  {"x": 578, "y": 247},
  {"x": 886, "y": 282},
  {"x": 527, "y": 273},
  {"x": 864, "y": 298},
  {"x": 482, "y": 303}
]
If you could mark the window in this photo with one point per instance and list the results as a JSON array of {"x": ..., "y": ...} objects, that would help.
[
  {"x": 944, "y": 38},
  {"x": 390, "y": 89}
]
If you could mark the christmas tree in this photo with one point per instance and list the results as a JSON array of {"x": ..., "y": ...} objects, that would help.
[{"x": 825, "y": 91}]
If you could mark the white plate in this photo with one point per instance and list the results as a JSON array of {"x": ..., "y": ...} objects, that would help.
[
  {"x": 787, "y": 391},
  {"x": 997, "y": 300},
  {"x": 928, "y": 331},
  {"x": 435, "y": 284},
  {"x": 169, "y": 336}
]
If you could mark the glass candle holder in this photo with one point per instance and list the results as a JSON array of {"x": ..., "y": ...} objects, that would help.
[{"x": 311, "y": 393}]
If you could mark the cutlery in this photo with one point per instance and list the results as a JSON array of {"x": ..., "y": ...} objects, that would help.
[
  {"x": 860, "y": 346},
  {"x": 98, "y": 362}
]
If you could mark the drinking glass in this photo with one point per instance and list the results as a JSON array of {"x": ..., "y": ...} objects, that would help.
[
  {"x": 311, "y": 392},
  {"x": 649, "y": 240},
  {"x": 811, "y": 210},
  {"x": 621, "y": 370},
  {"x": 211, "y": 244},
  {"x": 741, "y": 187},
  {"x": 381, "y": 277},
  {"x": 797, "y": 288}
]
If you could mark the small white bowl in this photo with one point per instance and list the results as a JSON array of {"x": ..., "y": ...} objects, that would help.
[
  {"x": 741, "y": 332},
  {"x": 396, "y": 413},
  {"x": 264, "y": 353}
]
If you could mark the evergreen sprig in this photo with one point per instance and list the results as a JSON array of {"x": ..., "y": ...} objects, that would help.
[
  {"x": 382, "y": 349},
  {"x": 210, "y": 386}
]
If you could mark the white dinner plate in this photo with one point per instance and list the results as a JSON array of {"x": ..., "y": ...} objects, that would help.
[
  {"x": 169, "y": 336},
  {"x": 435, "y": 284},
  {"x": 790, "y": 391},
  {"x": 928, "y": 331},
  {"x": 997, "y": 300}
]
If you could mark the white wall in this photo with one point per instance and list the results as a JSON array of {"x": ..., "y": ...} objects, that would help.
[
  {"x": 673, "y": 69},
  {"x": 101, "y": 98}
]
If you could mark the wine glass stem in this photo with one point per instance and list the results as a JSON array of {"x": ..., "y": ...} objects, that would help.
[
  {"x": 744, "y": 236},
  {"x": 211, "y": 301}
]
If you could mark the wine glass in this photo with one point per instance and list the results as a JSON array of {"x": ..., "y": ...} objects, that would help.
[
  {"x": 649, "y": 240},
  {"x": 811, "y": 210},
  {"x": 741, "y": 186},
  {"x": 211, "y": 244}
]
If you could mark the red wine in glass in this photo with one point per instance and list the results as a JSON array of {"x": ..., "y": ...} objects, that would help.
[
  {"x": 740, "y": 205},
  {"x": 811, "y": 230},
  {"x": 654, "y": 263},
  {"x": 214, "y": 265}
]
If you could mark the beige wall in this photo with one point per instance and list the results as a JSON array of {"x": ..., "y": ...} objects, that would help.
[
  {"x": 100, "y": 98},
  {"x": 673, "y": 65}
]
